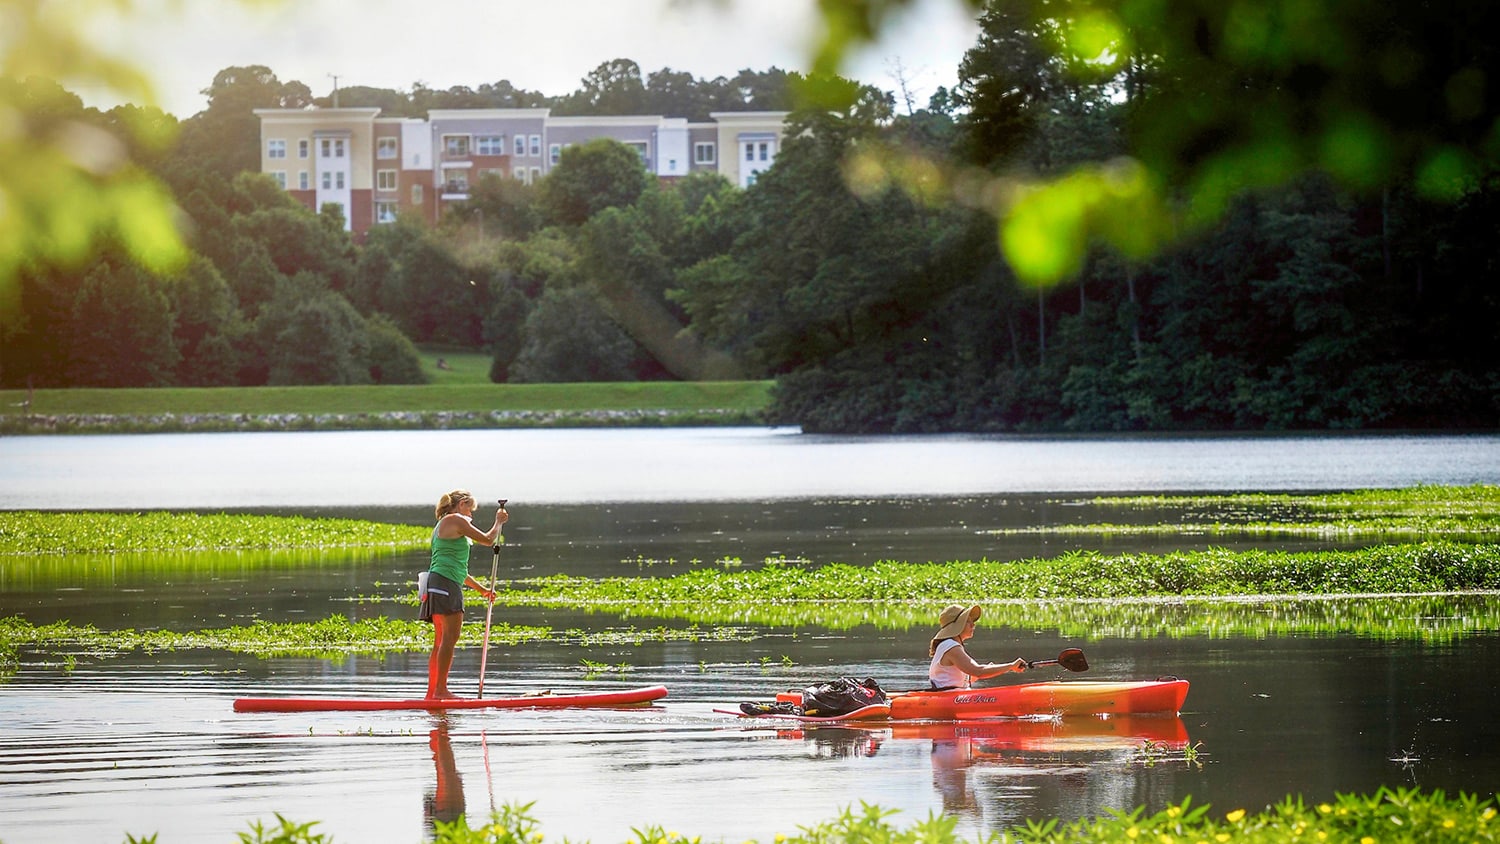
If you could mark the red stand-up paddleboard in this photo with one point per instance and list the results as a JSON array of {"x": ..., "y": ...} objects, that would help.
[{"x": 543, "y": 700}]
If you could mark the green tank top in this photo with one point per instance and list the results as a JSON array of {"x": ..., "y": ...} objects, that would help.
[{"x": 450, "y": 557}]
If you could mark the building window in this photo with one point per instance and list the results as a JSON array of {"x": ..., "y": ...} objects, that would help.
[
  {"x": 520, "y": 145},
  {"x": 276, "y": 148},
  {"x": 302, "y": 180},
  {"x": 331, "y": 147},
  {"x": 416, "y": 194},
  {"x": 303, "y": 148},
  {"x": 385, "y": 212},
  {"x": 456, "y": 146},
  {"x": 385, "y": 148},
  {"x": 338, "y": 180},
  {"x": 536, "y": 175},
  {"x": 327, "y": 180},
  {"x": 489, "y": 144},
  {"x": 705, "y": 153},
  {"x": 536, "y": 146},
  {"x": 749, "y": 152},
  {"x": 554, "y": 152},
  {"x": 764, "y": 148},
  {"x": 385, "y": 179},
  {"x": 280, "y": 177},
  {"x": 520, "y": 174},
  {"x": 641, "y": 150},
  {"x": 671, "y": 165},
  {"x": 456, "y": 181}
]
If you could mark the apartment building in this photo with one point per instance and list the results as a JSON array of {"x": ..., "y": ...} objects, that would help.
[{"x": 378, "y": 168}]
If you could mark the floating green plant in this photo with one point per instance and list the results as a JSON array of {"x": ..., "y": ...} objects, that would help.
[
  {"x": 333, "y": 637},
  {"x": 31, "y": 532},
  {"x": 1412, "y": 568},
  {"x": 36, "y": 571},
  {"x": 1431, "y": 592},
  {"x": 1478, "y": 499},
  {"x": 1469, "y": 513},
  {"x": 1432, "y": 619}
]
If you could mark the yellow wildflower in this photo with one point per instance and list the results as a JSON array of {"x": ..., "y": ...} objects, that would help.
[
  {"x": 1174, "y": 811},
  {"x": 1367, "y": 840},
  {"x": 1488, "y": 813},
  {"x": 1324, "y": 808},
  {"x": 1132, "y": 833},
  {"x": 1236, "y": 816},
  {"x": 1221, "y": 837}
]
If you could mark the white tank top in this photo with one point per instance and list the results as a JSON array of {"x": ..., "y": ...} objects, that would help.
[{"x": 946, "y": 676}]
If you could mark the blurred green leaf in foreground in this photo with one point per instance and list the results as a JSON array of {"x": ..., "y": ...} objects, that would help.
[
  {"x": 67, "y": 185},
  {"x": 1217, "y": 97}
]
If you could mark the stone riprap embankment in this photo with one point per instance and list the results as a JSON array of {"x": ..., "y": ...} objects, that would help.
[{"x": 396, "y": 420}]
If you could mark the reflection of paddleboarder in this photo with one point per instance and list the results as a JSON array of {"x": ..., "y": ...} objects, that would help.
[{"x": 446, "y": 801}]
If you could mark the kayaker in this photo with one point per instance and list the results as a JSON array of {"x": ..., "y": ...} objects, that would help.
[
  {"x": 443, "y": 601},
  {"x": 951, "y": 666}
]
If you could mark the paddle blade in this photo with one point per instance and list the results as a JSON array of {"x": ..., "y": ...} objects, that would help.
[{"x": 1072, "y": 659}]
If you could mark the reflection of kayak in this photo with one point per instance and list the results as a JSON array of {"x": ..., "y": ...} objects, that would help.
[
  {"x": 873, "y": 712},
  {"x": 545, "y": 700},
  {"x": 1063, "y": 697},
  {"x": 1052, "y": 734}
]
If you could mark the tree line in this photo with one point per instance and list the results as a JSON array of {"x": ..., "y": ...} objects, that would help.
[{"x": 876, "y": 307}]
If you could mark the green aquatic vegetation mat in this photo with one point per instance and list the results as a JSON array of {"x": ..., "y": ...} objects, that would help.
[
  {"x": 1471, "y": 512},
  {"x": 330, "y": 638},
  {"x": 1431, "y": 619},
  {"x": 1081, "y": 593},
  {"x": 37, "y": 533},
  {"x": 33, "y": 572},
  {"x": 1427, "y": 498},
  {"x": 1412, "y": 568}
]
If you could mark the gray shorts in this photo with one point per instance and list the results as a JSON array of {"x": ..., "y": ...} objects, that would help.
[{"x": 444, "y": 597}]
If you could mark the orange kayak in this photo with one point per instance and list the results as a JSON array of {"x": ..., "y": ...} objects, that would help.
[{"x": 1062, "y": 697}]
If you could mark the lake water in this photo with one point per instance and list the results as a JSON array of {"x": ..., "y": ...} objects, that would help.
[
  {"x": 148, "y": 743},
  {"x": 703, "y": 464}
]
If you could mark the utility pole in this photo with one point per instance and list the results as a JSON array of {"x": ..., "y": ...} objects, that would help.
[{"x": 335, "y": 79}]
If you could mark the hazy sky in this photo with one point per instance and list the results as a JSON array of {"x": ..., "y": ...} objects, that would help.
[{"x": 542, "y": 45}]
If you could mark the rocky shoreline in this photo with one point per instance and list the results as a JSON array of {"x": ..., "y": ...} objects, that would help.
[{"x": 158, "y": 423}]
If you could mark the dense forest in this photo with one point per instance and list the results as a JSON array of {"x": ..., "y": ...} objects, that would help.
[{"x": 1305, "y": 304}]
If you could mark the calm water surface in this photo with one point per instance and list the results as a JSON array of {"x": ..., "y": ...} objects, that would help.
[
  {"x": 149, "y": 743},
  {"x": 714, "y": 464}
]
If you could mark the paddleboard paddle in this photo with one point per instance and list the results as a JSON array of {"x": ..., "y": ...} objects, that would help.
[
  {"x": 1071, "y": 659},
  {"x": 489, "y": 609}
]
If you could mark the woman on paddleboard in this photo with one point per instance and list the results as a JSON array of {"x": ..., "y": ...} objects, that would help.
[
  {"x": 443, "y": 599},
  {"x": 951, "y": 666}
]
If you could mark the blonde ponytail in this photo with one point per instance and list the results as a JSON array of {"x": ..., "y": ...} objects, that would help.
[{"x": 449, "y": 502}]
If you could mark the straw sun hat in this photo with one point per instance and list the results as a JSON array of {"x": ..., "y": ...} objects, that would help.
[{"x": 953, "y": 620}]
